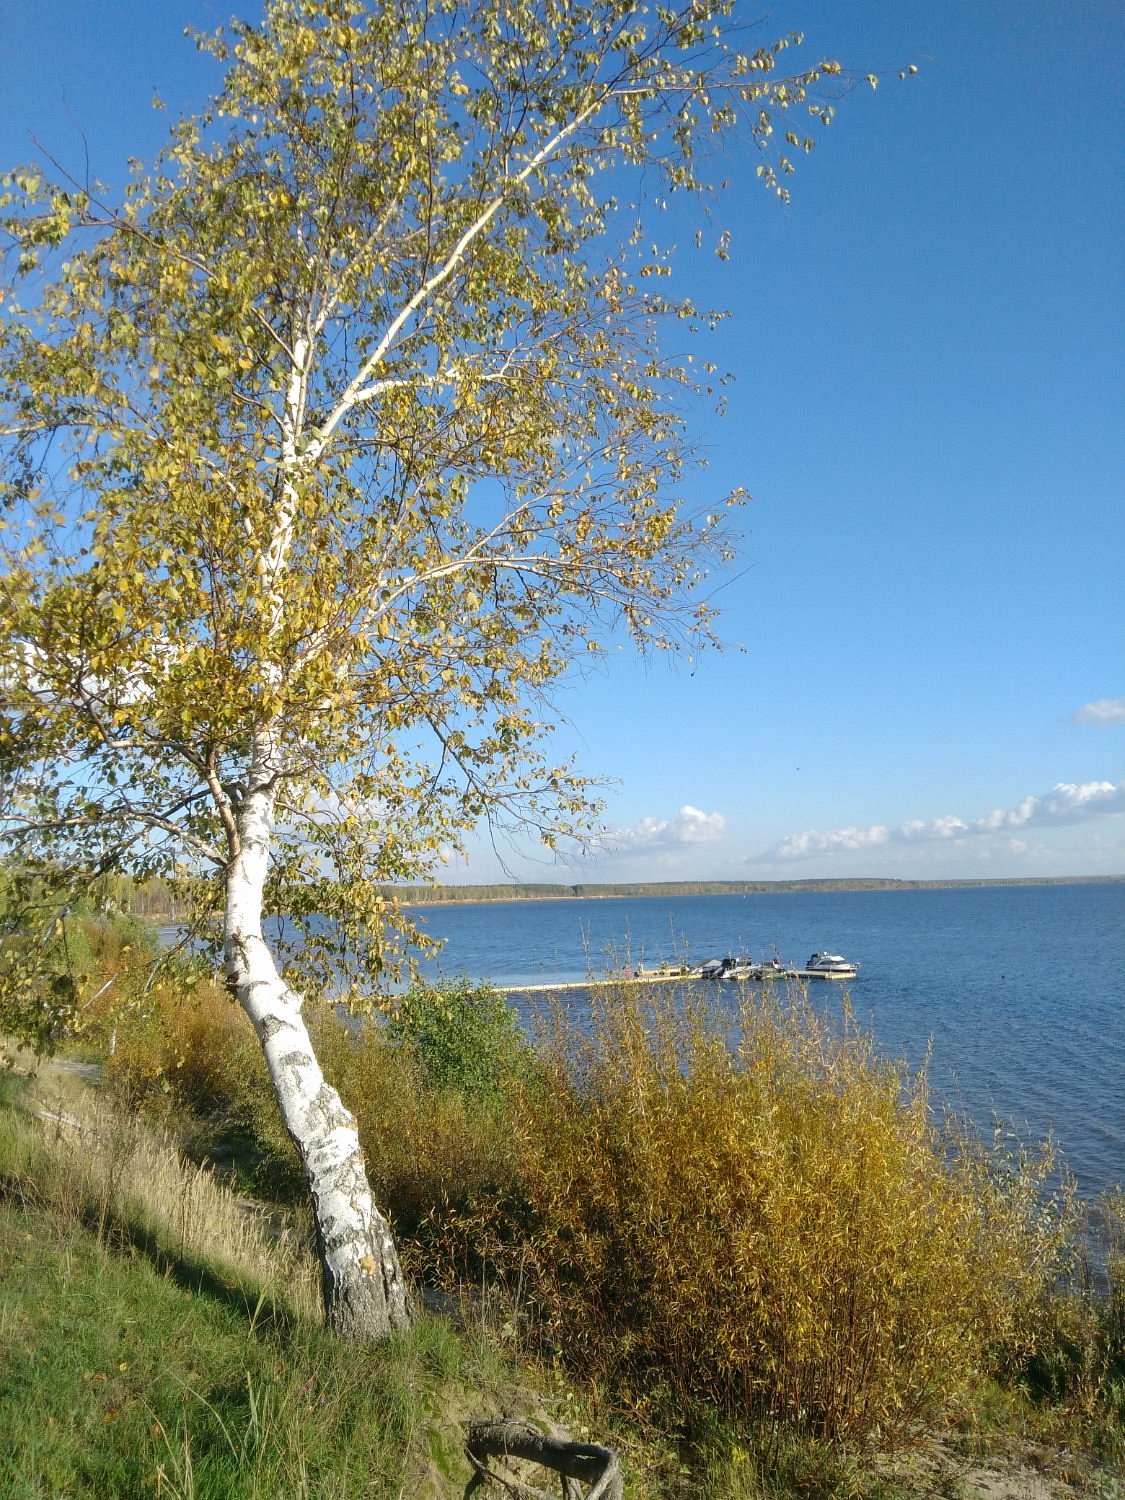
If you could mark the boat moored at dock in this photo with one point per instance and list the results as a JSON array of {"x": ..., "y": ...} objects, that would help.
[
  {"x": 829, "y": 966},
  {"x": 819, "y": 966}
]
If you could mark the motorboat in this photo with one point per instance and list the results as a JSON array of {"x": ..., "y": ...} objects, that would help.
[
  {"x": 830, "y": 966},
  {"x": 722, "y": 968}
]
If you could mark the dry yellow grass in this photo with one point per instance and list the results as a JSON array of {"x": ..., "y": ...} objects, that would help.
[{"x": 100, "y": 1163}]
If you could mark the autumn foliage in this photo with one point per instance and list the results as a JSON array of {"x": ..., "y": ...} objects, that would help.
[
  {"x": 702, "y": 1203},
  {"x": 744, "y": 1209}
]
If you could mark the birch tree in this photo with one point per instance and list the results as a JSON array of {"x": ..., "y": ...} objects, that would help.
[{"x": 329, "y": 446}]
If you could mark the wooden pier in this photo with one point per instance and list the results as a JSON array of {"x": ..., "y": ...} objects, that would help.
[{"x": 756, "y": 974}]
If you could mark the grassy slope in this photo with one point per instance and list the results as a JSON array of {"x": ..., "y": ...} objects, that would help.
[
  {"x": 121, "y": 1379},
  {"x": 130, "y": 1368},
  {"x": 132, "y": 1365}
]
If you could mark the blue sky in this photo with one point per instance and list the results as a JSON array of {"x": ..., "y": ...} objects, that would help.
[{"x": 927, "y": 409}]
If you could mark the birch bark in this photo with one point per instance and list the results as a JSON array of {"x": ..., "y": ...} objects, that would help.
[{"x": 364, "y": 1292}]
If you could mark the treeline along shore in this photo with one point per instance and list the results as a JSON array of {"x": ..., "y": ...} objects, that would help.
[
  {"x": 158, "y": 901},
  {"x": 170, "y": 901},
  {"x": 426, "y": 895}
]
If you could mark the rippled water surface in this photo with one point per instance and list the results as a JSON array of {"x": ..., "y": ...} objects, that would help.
[{"x": 1021, "y": 988}]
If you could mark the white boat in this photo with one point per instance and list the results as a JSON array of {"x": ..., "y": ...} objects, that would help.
[
  {"x": 830, "y": 966},
  {"x": 729, "y": 968}
]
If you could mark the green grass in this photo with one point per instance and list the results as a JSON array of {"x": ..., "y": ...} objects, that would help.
[
  {"x": 129, "y": 1368},
  {"x": 123, "y": 1376}
]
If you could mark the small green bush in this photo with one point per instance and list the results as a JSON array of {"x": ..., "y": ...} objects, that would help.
[{"x": 466, "y": 1036}]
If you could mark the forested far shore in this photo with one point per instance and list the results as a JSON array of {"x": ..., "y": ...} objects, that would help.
[
  {"x": 158, "y": 900},
  {"x": 418, "y": 895}
]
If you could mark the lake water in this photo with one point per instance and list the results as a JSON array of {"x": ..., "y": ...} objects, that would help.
[{"x": 1020, "y": 988}]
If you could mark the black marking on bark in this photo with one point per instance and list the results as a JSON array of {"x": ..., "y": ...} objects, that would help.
[{"x": 332, "y": 1110}]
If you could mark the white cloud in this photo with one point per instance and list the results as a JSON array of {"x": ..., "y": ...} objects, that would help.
[
  {"x": 831, "y": 841},
  {"x": 1066, "y": 802},
  {"x": 1101, "y": 711},
  {"x": 690, "y": 826}
]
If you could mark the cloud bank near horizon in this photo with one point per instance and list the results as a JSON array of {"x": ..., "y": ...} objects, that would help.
[
  {"x": 1066, "y": 802},
  {"x": 1101, "y": 711},
  {"x": 689, "y": 826}
]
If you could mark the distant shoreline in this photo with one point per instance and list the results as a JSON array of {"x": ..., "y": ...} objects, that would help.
[
  {"x": 416, "y": 896},
  {"x": 480, "y": 895}
]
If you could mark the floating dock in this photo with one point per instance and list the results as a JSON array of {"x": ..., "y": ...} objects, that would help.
[{"x": 755, "y": 974}]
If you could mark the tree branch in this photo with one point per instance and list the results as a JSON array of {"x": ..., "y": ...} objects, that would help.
[{"x": 434, "y": 283}]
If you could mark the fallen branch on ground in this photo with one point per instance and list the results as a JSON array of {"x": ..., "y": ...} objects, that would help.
[{"x": 577, "y": 1463}]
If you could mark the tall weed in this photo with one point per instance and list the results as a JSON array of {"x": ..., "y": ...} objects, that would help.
[
  {"x": 96, "y": 1166},
  {"x": 190, "y": 1056},
  {"x": 1079, "y": 1367},
  {"x": 435, "y": 1143}
]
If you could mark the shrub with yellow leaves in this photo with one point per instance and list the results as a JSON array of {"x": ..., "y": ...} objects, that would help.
[{"x": 749, "y": 1211}]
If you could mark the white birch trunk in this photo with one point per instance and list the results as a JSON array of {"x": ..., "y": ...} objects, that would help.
[{"x": 365, "y": 1295}]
